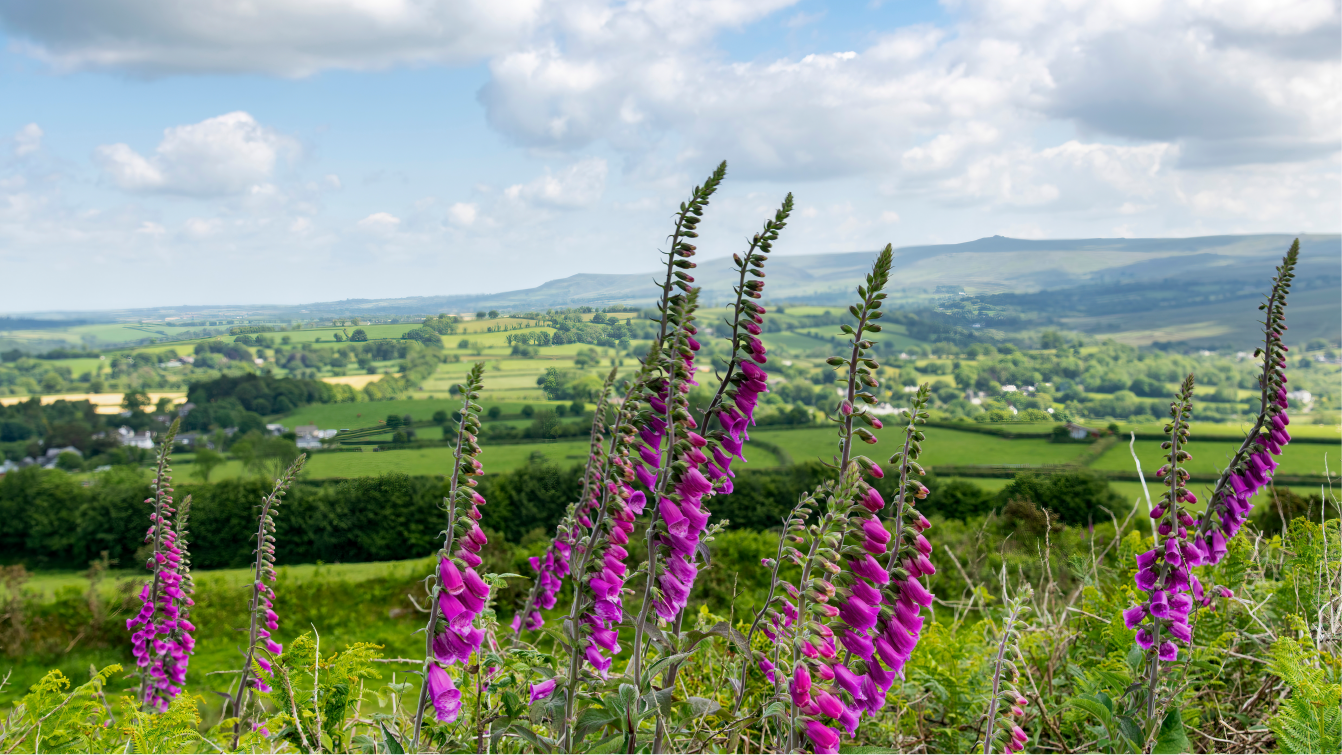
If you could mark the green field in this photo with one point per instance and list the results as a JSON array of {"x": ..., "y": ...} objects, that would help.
[
  {"x": 1212, "y": 457},
  {"x": 942, "y": 446}
]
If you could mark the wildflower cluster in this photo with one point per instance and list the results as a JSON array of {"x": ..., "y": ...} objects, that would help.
[
  {"x": 1006, "y": 707},
  {"x": 1185, "y": 541},
  {"x": 161, "y": 633},
  {"x": 552, "y": 566},
  {"x": 1253, "y": 464},
  {"x": 459, "y": 594},
  {"x": 263, "y": 619},
  {"x": 846, "y": 596}
]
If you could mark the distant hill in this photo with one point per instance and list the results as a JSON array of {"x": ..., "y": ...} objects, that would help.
[{"x": 1114, "y": 286}]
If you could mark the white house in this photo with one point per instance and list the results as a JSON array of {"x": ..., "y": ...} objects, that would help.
[{"x": 128, "y": 437}]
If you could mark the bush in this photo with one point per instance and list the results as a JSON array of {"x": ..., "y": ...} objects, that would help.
[
  {"x": 358, "y": 335},
  {"x": 1073, "y": 497}
]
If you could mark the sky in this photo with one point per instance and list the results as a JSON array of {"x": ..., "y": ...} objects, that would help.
[{"x": 154, "y": 152}]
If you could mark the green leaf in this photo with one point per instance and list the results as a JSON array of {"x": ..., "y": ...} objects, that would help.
[
  {"x": 1172, "y": 738},
  {"x": 702, "y": 706},
  {"x": 613, "y": 743},
  {"x": 1132, "y": 732},
  {"x": 590, "y": 720},
  {"x": 1095, "y": 708},
  {"x": 393, "y": 746}
]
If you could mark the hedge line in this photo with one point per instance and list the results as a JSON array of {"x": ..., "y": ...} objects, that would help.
[{"x": 50, "y": 520}]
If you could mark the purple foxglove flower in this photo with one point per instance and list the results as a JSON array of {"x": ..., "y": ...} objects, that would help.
[
  {"x": 733, "y": 445},
  {"x": 884, "y": 679},
  {"x": 887, "y": 652},
  {"x": 857, "y": 644},
  {"x": 858, "y": 614},
  {"x": 650, "y": 457},
  {"x": 800, "y": 687},
  {"x": 1146, "y": 579},
  {"x": 1133, "y": 617},
  {"x": 652, "y": 439},
  {"x": 872, "y": 501},
  {"x": 475, "y": 585},
  {"x": 542, "y": 690},
  {"x": 925, "y": 566},
  {"x": 867, "y": 593},
  {"x": 828, "y": 704},
  {"x": 450, "y": 577},
  {"x": 648, "y": 479},
  {"x": 1019, "y": 735},
  {"x": 1148, "y": 559},
  {"x": 849, "y": 681},
  {"x": 916, "y": 592},
  {"x": 900, "y": 640},
  {"x": 874, "y": 530},
  {"x": 1181, "y": 631},
  {"x": 693, "y": 484},
  {"x": 823, "y": 738},
  {"x": 1144, "y": 638},
  {"x": 676, "y": 523},
  {"x": 637, "y": 500},
  {"x": 1159, "y": 604},
  {"x": 849, "y": 720},
  {"x": 598, "y": 661},
  {"x": 767, "y": 668},
  {"x": 1218, "y": 546},
  {"x": 868, "y": 568},
  {"x": 606, "y": 639},
  {"x": 1169, "y": 651},
  {"x": 444, "y": 694},
  {"x": 1172, "y": 551}
]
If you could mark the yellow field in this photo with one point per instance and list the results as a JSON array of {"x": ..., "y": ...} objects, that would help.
[
  {"x": 104, "y": 403},
  {"x": 357, "y": 381}
]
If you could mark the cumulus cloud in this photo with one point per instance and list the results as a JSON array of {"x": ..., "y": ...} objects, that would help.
[
  {"x": 28, "y": 140},
  {"x": 279, "y": 37},
  {"x": 578, "y": 185},
  {"x": 227, "y": 155},
  {"x": 1212, "y": 76},
  {"x": 380, "y": 222},
  {"x": 463, "y": 213}
]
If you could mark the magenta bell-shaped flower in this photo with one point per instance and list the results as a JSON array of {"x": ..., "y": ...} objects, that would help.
[{"x": 444, "y": 694}]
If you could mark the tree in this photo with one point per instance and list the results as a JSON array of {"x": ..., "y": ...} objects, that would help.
[
  {"x": 493, "y": 314},
  {"x": 440, "y": 417},
  {"x": 577, "y": 408},
  {"x": 495, "y": 412},
  {"x": 358, "y": 335},
  {"x": 206, "y": 460},
  {"x": 135, "y": 400},
  {"x": 528, "y": 411},
  {"x": 394, "y": 420},
  {"x": 265, "y": 455},
  {"x": 481, "y": 315},
  {"x": 70, "y": 461},
  {"x": 163, "y": 405},
  {"x": 477, "y": 348},
  {"x": 464, "y": 343}
]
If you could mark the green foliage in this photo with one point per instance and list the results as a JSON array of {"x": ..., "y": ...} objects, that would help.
[
  {"x": 1076, "y": 498},
  {"x": 321, "y": 688},
  {"x": 52, "y": 720},
  {"x": 1310, "y": 720},
  {"x": 166, "y": 732}
]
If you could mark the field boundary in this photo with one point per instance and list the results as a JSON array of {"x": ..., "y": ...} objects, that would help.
[{"x": 1011, "y": 470}]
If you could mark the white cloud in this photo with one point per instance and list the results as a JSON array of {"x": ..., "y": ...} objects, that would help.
[
  {"x": 280, "y": 37},
  {"x": 28, "y": 140},
  {"x": 380, "y": 222},
  {"x": 463, "y": 213},
  {"x": 227, "y": 155},
  {"x": 578, "y": 185},
  {"x": 1202, "y": 74}
]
